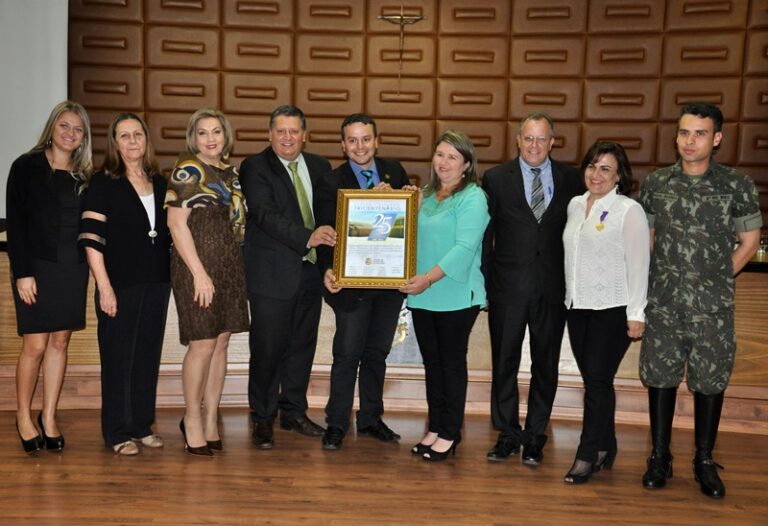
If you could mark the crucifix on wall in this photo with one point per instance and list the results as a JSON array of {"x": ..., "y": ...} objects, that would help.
[{"x": 402, "y": 20}]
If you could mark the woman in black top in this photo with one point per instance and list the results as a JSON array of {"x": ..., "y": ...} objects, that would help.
[
  {"x": 48, "y": 272},
  {"x": 126, "y": 240}
]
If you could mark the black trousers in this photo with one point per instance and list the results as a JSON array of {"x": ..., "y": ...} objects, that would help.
[
  {"x": 507, "y": 323},
  {"x": 443, "y": 339},
  {"x": 282, "y": 341},
  {"x": 599, "y": 341},
  {"x": 130, "y": 345},
  {"x": 363, "y": 339}
]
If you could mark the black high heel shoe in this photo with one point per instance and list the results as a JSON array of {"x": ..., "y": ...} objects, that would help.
[
  {"x": 204, "y": 451},
  {"x": 419, "y": 449},
  {"x": 436, "y": 456},
  {"x": 215, "y": 445},
  {"x": 606, "y": 462},
  {"x": 51, "y": 443},
  {"x": 33, "y": 445},
  {"x": 581, "y": 471}
]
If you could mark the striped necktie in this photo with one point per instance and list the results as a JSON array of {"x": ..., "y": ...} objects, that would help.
[
  {"x": 537, "y": 194},
  {"x": 306, "y": 210}
]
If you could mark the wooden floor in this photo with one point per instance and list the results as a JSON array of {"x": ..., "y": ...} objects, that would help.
[{"x": 366, "y": 482}]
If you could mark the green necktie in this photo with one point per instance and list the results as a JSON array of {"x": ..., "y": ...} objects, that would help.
[{"x": 306, "y": 211}]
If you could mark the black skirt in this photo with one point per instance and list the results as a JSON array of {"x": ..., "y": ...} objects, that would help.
[{"x": 61, "y": 292}]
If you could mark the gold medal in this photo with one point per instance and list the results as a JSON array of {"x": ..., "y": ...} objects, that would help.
[{"x": 599, "y": 227}]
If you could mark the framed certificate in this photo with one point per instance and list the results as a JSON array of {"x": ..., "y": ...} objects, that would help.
[{"x": 376, "y": 243}]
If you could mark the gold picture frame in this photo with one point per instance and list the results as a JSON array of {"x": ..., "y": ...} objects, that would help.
[{"x": 376, "y": 243}]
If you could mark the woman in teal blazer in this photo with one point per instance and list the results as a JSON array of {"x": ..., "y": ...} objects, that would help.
[{"x": 448, "y": 291}]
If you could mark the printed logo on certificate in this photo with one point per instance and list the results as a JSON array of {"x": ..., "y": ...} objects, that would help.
[{"x": 377, "y": 238}]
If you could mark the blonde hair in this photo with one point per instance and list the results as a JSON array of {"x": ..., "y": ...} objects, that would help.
[
  {"x": 206, "y": 113},
  {"x": 82, "y": 157}
]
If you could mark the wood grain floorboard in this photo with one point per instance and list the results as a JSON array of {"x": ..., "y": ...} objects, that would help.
[{"x": 366, "y": 482}]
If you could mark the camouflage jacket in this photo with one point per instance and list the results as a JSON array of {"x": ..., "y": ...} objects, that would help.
[{"x": 696, "y": 221}]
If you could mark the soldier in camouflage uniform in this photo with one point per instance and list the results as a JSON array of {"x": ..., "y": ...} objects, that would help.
[{"x": 698, "y": 211}]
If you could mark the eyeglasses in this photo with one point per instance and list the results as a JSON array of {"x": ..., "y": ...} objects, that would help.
[{"x": 530, "y": 139}]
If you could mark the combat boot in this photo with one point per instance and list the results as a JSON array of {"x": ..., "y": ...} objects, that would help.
[
  {"x": 707, "y": 409},
  {"x": 661, "y": 409}
]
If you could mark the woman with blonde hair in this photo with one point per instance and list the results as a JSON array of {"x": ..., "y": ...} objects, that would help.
[
  {"x": 49, "y": 275},
  {"x": 206, "y": 217}
]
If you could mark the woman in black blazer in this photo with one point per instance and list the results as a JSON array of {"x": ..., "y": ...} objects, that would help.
[
  {"x": 49, "y": 275},
  {"x": 124, "y": 232}
]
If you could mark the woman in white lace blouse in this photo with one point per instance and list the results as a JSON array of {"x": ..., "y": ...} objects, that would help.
[{"x": 607, "y": 252}]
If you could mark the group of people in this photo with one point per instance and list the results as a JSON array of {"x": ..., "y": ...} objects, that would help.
[{"x": 540, "y": 244}]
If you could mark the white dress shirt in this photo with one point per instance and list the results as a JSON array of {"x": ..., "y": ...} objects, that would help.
[{"x": 607, "y": 266}]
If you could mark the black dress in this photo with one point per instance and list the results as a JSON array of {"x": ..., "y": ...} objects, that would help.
[{"x": 61, "y": 280}]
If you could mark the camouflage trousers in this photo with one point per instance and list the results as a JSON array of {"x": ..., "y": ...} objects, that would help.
[{"x": 676, "y": 340}]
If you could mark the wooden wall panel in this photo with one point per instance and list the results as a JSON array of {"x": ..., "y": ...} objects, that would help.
[
  {"x": 412, "y": 98},
  {"x": 180, "y": 47},
  {"x": 547, "y": 57},
  {"x": 755, "y": 100},
  {"x": 245, "y": 93},
  {"x": 184, "y": 12},
  {"x": 479, "y": 16},
  {"x": 258, "y": 51},
  {"x": 758, "y": 13},
  {"x": 478, "y": 57},
  {"x": 180, "y": 90},
  {"x": 757, "y": 53},
  {"x": 620, "y": 100},
  {"x": 426, "y": 9},
  {"x": 718, "y": 54},
  {"x": 419, "y": 56},
  {"x": 639, "y": 140},
  {"x": 251, "y": 133},
  {"x": 610, "y": 69},
  {"x": 120, "y": 89},
  {"x": 316, "y": 53},
  {"x": 549, "y": 16},
  {"x": 330, "y": 15},
  {"x": 406, "y": 139},
  {"x": 168, "y": 132},
  {"x": 676, "y": 92},
  {"x": 700, "y": 14},
  {"x": 626, "y": 16},
  {"x": 258, "y": 14},
  {"x": 124, "y": 10},
  {"x": 560, "y": 98},
  {"x": 107, "y": 44},
  {"x": 337, "y": 96},
  {"x": 753, "y": 143},
  {"x": 624, "y": 56},
  {"x": 472, "y": 99}
]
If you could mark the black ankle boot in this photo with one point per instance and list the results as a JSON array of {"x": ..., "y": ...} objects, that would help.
[
  {"x": 707, "y": 410},
  {"x": 661, "y": 409},
  {"x": 659, "y": 470}
]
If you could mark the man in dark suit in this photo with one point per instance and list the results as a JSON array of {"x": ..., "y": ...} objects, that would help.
[
  {"x": 366, "y": 319},
  {"x": 284, "y": 284},
  {"x": 523, "y": 265}
]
